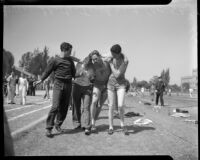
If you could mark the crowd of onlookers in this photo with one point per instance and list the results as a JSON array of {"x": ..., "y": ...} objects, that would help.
[{"x": 23, "y": 85}]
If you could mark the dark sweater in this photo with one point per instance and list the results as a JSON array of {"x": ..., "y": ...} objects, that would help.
[
  {"x": 160, "y": 86},
  {"x": 64, "y": 69}
]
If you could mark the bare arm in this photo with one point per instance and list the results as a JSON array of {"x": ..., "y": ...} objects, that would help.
[
  {"x": 122, "y": 69},
  {"x": 75, "y": 59}
]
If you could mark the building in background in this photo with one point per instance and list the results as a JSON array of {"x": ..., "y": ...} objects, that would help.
[{"x": 192, "y": 80}]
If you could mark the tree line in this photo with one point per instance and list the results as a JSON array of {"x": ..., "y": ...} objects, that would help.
[{"x": 36, "y": 62}]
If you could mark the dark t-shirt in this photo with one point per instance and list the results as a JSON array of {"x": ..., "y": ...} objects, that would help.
[{"x": 160, "y": 86}]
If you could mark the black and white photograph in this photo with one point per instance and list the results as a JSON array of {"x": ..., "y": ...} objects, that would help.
[{"x": 101, "y": 80}]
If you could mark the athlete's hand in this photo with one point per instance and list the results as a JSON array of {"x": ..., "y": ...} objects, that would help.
[{"x": 37, "y": 82}]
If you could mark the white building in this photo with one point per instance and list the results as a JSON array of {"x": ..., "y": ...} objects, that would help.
[{"x": 192, "y": 80}]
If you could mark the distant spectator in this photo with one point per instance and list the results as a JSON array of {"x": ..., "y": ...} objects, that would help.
[
  {"x": 17, "y": 86},
  {"x": 169, "y": 91},
  {"x": 47, "y": 88},
  {"x": 11, "y": 88},
  {"x": 142, "y": 91},
  {"x": 23, "y": 87},
  {"x": 152, "y": 92},
  {"x": 31, "y": 88},
  {"x": 191, "y": 92},
  {"x": 5, "y": 89},
  {"x": 160, "y": 88}
]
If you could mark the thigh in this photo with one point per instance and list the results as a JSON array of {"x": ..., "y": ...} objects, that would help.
[
  {"x": 96, "y": 94},
  {"x": 111, "y": 97},
  {"x": 56, "y": 97},
  {"x": 120, "y": 96},
  {"x": 66, "y": 94}
]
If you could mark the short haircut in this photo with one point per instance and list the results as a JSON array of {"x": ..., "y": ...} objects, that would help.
[
  {"x": 65, "y": 46},
  {"x": 116, "y": 49}
]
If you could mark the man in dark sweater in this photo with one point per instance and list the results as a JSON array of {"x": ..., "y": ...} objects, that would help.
[
  {"x": 160, "y": 88},
  {"x": 64, "y": 70}
]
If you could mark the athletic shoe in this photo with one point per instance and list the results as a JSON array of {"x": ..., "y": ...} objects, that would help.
[
  {"x": 125, "y": 131},
  {"x": 93, "y": 129},
  {"x": 87, "y": 132},
  {"x": 59, "y": 130},
  {"x": 49, "y": 133},
  {"x": 110, "y": 131},
  {"x": 78, "y": 127}
]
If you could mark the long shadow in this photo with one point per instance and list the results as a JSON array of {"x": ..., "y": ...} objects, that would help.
[
  {"x": 69, "y": 131},
  {"x": 136, "y": 129},
  {"x": 30, "y": 103},
  {"x": 102, "y": 117},
  {"x": 131, "y": 129}
]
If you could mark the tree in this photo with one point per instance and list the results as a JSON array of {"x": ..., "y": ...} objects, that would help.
[
  {"x": 35, "y": 62},
  {"x": 165, "y": 76},
  {"x": 26, "y": 61},
  {"x": 142, "y": 83},
  {"x": 153, "y": 80},
  {"x": 185, "y": 86},
  {"x": 175, "y": 88},
  {"x": 8, "y": 61},
  {"x": 134, "y": 83}
]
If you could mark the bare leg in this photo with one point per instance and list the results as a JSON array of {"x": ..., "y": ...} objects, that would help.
[
  {"x": 95, "y": 98},
  {"x": 120, "y": 95},
  {"x": 111, "y": 107}
]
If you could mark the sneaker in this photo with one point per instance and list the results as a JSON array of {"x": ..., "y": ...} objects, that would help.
[
  {"x": 78, "y": 127},
  {"x": 93, "y": 129},
  {"x": 110, "y": 131},
  {"x": 59, "y": 130},
  {"x": 49, "y": 133},
  {"x": 125, "y": 131},
  {"x": 87, "y": 132}
]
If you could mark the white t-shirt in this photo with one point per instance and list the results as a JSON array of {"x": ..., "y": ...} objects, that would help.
[{"x": 23, "y": 83}]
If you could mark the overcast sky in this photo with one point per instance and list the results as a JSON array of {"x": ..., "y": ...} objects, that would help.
[{"x": 153, "y": 37}]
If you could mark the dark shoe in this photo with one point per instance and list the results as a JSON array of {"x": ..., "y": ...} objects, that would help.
[
  {"x": 93, "y": 129},
  {"x": 49, "y": 133},
  {"x": 87, "y": 132},
  {"x": 78, "y": 127},
  {"x": 110, "y": 131},
  {"x": 59, "y": 130},
  {"x": 125, "y": 131}
]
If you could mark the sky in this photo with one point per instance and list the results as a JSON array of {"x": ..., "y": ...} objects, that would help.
[{"x": 152, "y": 37}]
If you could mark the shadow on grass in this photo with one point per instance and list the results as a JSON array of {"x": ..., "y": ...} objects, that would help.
[{"x": 69, "y": 131}]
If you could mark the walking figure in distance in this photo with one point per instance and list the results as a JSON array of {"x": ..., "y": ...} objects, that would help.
[
  {"x": 23, "y": 87},
  {"x": 160, "y": 88},
  {"x": 11, "y": 87}
]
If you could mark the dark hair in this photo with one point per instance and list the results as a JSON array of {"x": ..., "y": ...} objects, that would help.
[
  {"x": 116, "y": 49},
  {"x": 87, "y": 61},
  {"x": 65, "y": 46},
  {"x": 95, "y": 52}
]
